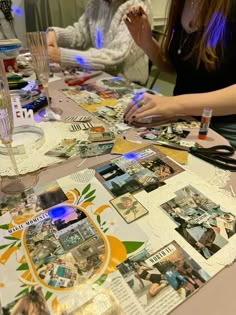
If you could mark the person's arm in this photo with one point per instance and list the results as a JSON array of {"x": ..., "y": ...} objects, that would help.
[
  {"x": 139, "y": 27},
  {"x": 76, "y": 36},
  {"x": 221, "y": 101},
  {"x": 109, "y": 57},
  {"x": 140, "y": 280}
]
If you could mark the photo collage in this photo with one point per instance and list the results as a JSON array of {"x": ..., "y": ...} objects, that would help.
[
  {"x": 32, "y": 201},
  {"x": 171, "y": 133},
  {"x": 170, "y": 270},
  {"x": 146, "y": 169},
  {"x": 200, "y": 221},
  {"x": 106, "y": 99},
  {"x": 65, "y": 248}
]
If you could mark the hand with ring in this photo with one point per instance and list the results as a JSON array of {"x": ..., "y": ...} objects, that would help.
[
  {"x": 139, "y": 103},
  {"x": 147, "y": 105}
]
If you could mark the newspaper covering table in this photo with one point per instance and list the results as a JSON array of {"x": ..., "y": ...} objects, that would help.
[{"x": 135, "y": 235}]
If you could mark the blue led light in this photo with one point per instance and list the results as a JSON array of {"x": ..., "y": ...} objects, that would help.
[
  {"x": 98, "y": 38},
  {"x": 137, "y": 96},
  {"x": 131, "y": 156},
  {"x": 80, "y": 60},
  {"x": 117, "y": 78},
  {"x": 17, "y": 10},
  {"x": 214, "y": 37},
  {"x": 57, "y": 212}
]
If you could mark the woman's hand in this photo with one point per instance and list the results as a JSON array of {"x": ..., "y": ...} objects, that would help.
[
  {"x": 137, "y": 22},
  {"x": 147, "y": 105},
  {"x": 54, "y": 54},
  {"x": 51, "y": 38}
]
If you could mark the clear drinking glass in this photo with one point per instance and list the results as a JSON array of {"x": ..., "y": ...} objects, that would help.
[
  {"x": 37, "y": 44},
  {"x": 13, "y": 184}
]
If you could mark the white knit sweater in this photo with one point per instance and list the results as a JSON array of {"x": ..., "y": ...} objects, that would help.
[{"x": 102, "y": 25}]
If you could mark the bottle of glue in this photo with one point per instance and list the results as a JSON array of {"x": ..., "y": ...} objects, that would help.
[{"x": 205, "y": 122}]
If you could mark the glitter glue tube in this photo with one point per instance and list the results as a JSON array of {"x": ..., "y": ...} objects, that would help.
[{"x": 205, "y": 122}]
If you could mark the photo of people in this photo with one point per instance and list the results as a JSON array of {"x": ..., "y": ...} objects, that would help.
[
  {"x": 32, "y": 303},
  {"x": 129, "y": 166},
  {"x": 42, "y": 243},
  {"x": 65, "y": 248},
  {"x": 169, "y": 133},
  {"x": 145, "y": 169},
  {"x": 21, "y": 204},
  {"x": 33, "y": 200},
  {"x": 201, "y": 222},
  {"x": 89, "y": 257},
  {"x": 162, "y": 168},
  {"x": 60, "y": 273},
  {"x": 179, "y": 269},
  {"x": 148, "y": 180},
  {"x": 129, "y": 207},
  {"x": 147, "y": 283}
]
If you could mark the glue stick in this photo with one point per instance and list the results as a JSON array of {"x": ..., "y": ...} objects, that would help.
[{"x": 205, "y": 122}]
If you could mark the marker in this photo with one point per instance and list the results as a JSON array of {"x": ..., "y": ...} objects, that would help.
[{"x": 205, "y": 122}]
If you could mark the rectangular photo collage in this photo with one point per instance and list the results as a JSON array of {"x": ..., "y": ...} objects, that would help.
[
  {"x": 143, "y": 170},
  {"x": 168, "y": 271},
  {"x": 32, "y": 201},
  {"x": 200, "y": 221}
]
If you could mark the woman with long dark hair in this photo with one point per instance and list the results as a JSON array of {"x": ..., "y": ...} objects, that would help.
[{"x": 199, "y": 44}]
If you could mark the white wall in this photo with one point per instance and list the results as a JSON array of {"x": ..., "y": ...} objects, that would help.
[{"x": 159, "y": 11}]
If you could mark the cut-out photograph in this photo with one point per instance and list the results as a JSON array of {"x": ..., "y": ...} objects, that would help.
[
  {"x": 129, "y": 207},
  {"x": 31, "y": 303},
  {"x": 146, "y": 282},
  {"x": 109, "y": 171},
  {"x": 181, "y": 271},
  {"x": 200, "y": 221}
]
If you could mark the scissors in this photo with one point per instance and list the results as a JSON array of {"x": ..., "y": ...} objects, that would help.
[
  {"x": 218, "y": 155},
  {"x": 78, "y": 80}
]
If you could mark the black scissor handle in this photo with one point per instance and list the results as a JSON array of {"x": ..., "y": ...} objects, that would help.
[
  {"x": 220, "y": 160},
  {"x": 220, "y": 150}
]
